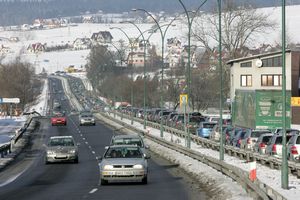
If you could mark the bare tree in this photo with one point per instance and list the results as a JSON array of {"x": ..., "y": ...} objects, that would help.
[{"x": 240, "y": 26}]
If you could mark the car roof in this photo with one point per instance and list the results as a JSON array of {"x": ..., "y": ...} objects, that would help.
[
  {"x": 126, "y": 136},
  {"x": 123, "y": 145},
  {"x": 66, "y": 136}
]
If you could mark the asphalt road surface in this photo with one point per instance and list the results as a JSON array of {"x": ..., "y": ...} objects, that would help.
[{"x": 29, "y": 178}]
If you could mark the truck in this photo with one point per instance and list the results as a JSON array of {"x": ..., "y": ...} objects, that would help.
[{"x": 260, "y": 109}]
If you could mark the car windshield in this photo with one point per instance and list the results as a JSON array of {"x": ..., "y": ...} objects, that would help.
[
  {"x": 128, "y": 141},
  {"x": 123, "y": 152},
  {"x": 61, "y": 142}
]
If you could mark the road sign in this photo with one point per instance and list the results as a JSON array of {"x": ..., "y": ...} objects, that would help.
[
  {"x": 183, "y": 99},
  {"x": 10, "y": 100},
  {"x": 295, "y": 101}
]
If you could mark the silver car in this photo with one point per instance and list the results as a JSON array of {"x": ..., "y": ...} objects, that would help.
[
  {"x": 61, "y": 149},
  {"x": 124, "y": 163},
  {"x": 86, "y": 118}
]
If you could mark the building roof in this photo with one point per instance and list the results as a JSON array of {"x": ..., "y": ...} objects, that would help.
[{"x": 230, "y": 62}]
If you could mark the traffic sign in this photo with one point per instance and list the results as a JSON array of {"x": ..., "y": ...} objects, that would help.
[
  {"x": 10, "y": 100},
  {"x": 295, "y": 101},
  {"x": 183, "y": 99}
]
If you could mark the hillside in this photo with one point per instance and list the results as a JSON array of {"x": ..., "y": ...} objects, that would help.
[{"x": 14, "y": 12}]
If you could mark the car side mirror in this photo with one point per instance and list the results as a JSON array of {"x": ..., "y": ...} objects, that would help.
[
  {"x": 147, "y": 156},
  {"x": 99, "y": 158}
]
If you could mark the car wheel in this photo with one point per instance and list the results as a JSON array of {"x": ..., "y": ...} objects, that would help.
[
  {"x": 145, "y": 180},
  {"x": 104, "y": 182},
  {"x": 76, "y": 160}
]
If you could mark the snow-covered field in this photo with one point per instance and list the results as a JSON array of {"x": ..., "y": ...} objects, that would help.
[{"x": 54, "y": 61}]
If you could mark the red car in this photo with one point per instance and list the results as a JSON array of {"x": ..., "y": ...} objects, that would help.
[{"x": 59, "y": 119}]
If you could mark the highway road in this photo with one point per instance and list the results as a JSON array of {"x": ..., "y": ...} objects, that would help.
[{"x": 29, "y": 178}]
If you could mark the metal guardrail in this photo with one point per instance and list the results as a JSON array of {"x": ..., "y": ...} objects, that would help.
[{"x": 270, "y": 161}]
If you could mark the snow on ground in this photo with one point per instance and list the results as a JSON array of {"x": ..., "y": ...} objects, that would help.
[
  {"x": 270, "y": 177},
  {"x": 58, "y": 61}
]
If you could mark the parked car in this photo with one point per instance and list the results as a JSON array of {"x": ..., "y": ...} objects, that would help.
[
  {"x": 161, "y": 114},
  {"x": 129, "y": 140},
  {"x": 168, "y": 118},
  {"x": 194, "y": 122},
  {"x": 261, "y": 143},
  {"x": 215, "y": 135},
  {"x": 236, "y": 142},
  {"x": 251, "y": 137},
  {"x": 293, "y": 148},
  {"x": 274, "y": 146},
  {"x": 86, "y": 118},
  {"x": 123, "y": 163},
  {"x": 205, "y": 129},
  {"x": 61, "y": 149},
  {"x": 232, "y": 134},
  {"x": 59, "y": 119}
]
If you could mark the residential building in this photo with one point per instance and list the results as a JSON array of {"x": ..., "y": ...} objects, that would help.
[
  {"x": 264, "y": 72},
  {"x": 102, "y": 37},
  {"x": 82, "y": 43}
]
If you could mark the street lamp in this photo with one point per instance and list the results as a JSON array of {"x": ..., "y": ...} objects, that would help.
[
  {"x": 131, "y": 49},
  {"x": 144, "y": 41},
  {"x": 221, "y": 150},
  {"x": 190, "y": 21},
  {"x": 163, "y": 34},
  {"x": 284, "y": 167}
]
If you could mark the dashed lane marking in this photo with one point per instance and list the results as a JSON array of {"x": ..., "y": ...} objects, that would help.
[{"x": 93, "y": 190}]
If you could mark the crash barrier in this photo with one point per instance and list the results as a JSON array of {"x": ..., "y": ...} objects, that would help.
[
  {"x": 256, "y": 188},
  {"x": 270, "y": 161},
  {"x": 6, "y": 148}
]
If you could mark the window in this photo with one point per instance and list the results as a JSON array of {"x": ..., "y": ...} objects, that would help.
[
  {"x": 246, "y": 64},
  {"x": 271, "y": 80},
  {"x": 246, "y": 80},
  {"x": 272, "y": 62}
]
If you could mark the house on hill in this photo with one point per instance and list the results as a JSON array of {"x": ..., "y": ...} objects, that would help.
[{"x": 102, "y": 37}]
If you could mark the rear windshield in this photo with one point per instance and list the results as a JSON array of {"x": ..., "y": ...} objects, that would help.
[
  {"x": 298, "y": 140},
  {"x": 257, "y": 133},
  {"x": 208, "y": 125},
  {"x": 279, "y": 139},
  {"x": 266, "y": 139}
]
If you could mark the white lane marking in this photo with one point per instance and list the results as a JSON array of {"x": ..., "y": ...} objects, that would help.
[
  {"x": 81, "y": 135},
  {"x": 93, "y": 190},
  {"x": 12, "y": 179},
  {"x": 93, "y": 152},
  {"x": 86, "y": 142},
  {"x": 90, "y": 146},
  {"x": 83, "y": 138}
]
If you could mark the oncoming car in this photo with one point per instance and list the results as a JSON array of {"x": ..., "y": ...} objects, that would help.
[
  {"x": 124, "y": 163},
  {"x": 59, "y": 119},
  {"x": 61, "y": 149}
]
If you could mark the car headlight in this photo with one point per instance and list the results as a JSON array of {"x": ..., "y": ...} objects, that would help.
[
  {"x": 138, "y": 166},
  {"x": 72, "y": 151},
  {"x": 108, "y": 167},
  {"x": 50, "y": 152}
]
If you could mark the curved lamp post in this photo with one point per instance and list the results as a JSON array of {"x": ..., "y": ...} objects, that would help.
[
  {"x": 141, "y": 34},
  {"x": 190, "y": 21},
  {"x": 163, "y": 34},
  {"x": 131, "y": 49}
]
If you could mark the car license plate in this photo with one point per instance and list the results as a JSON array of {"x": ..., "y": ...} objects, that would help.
[{"x": 124, "y": 173}]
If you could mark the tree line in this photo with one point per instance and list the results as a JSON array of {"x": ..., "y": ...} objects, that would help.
[{"x": 18, "y": 80}]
